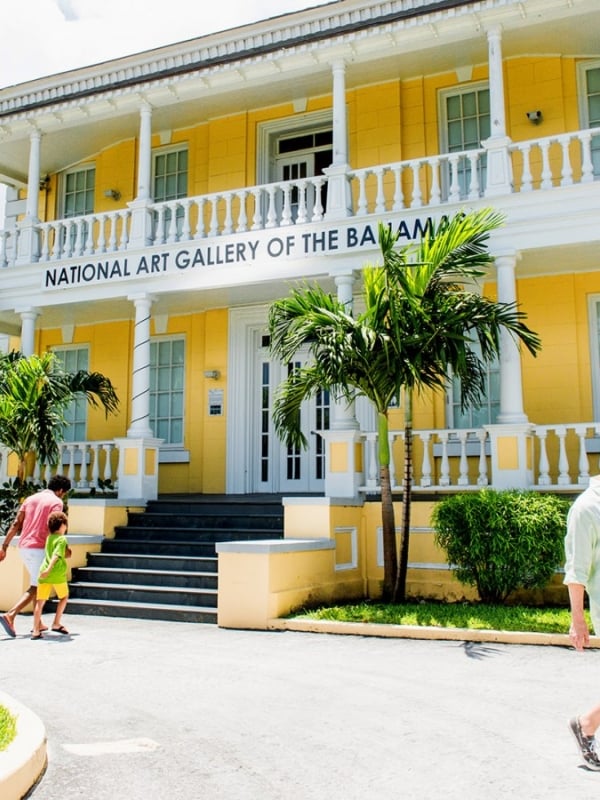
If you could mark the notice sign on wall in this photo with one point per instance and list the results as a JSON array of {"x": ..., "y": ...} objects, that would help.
[{"x": 215, "y": 402}]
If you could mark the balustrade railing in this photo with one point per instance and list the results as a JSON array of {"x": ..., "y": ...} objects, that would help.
[
  {"x": 564, "y": 458},
  {"x": 90, "y": 466},
  {"x": 553, "y": 161}
]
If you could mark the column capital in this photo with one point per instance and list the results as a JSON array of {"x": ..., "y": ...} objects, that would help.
[{"x": 504, "y": 258}]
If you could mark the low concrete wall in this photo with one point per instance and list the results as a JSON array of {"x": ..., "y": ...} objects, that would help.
[{"x": 24, "y": 760}]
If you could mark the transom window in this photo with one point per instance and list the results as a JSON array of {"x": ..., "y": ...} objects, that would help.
[
  {"x": 167, "y": 367},
  {"x": 74, "y": 359}
]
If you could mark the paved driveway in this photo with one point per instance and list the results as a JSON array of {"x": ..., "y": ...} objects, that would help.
[{"x": 139, "y": 710}]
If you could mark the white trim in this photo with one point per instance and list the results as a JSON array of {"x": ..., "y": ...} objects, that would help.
[
  {"x": 594, "y": 337},
  {"x": 582, "y": 68},
  {"x": 450, "y": 91},
  {"x": 268, "y": 132}
]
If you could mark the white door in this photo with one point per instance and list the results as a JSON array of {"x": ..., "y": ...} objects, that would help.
[
  {"x": 296, "y": 168},
  {"x": 277, "y": 467}
]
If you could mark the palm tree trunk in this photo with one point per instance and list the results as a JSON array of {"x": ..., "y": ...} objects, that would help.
[
  {"x": 388, "y": 521},
  {"x": 400, "y": 583}
]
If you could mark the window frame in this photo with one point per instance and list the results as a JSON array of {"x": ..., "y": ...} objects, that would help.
[
  {"x": 88, "y": 167},
  {"x": 166, "y": 150},
  {"x": 168, "y": 445}
]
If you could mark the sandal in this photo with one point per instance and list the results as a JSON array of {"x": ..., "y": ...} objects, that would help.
[
  {"x": 36, "y": 636},
  {"x": 61, "y": 629}
]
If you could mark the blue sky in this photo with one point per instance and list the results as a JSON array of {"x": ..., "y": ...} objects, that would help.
[{"x": 40, "y": 37}]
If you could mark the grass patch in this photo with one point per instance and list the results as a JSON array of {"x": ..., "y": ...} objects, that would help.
[
  {"x": 8, "y": 727},
  {"x": 473, "y": 616}
]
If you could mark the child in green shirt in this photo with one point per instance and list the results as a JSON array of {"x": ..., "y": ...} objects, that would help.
[{"x": 53, "y": 574}]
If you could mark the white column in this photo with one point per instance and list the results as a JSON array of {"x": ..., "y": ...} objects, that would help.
[
  {"x": 145, "y": 153},
  {"x": 28, "y": 241},
  {"x": 33, "y": 176},
  {"x": 339, "y": 201},
  {"x": 141, "y": 215},
  {"x": 342, "y": 412},
  {"x": 140, "y": 400},
  {"x": 28, "y": 319},
  {"x": 499, "y": 167},
  {"x": 511, "y": 387}
]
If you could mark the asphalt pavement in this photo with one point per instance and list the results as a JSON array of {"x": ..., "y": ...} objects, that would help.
[{"x": 142, "y": 710}]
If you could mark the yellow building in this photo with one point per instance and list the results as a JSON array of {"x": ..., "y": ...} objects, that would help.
[{"x": 158, "y": 203}]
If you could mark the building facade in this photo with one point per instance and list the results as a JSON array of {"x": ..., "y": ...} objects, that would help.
[{"x": 158, "y": 203}]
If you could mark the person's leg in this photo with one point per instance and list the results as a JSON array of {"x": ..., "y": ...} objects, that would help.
[
  {"x": 590, "y": 721},
  {"x": 62, "y": 592},
  {"x": 37, "y": 616},
  {"x": 32, "y": 559}
]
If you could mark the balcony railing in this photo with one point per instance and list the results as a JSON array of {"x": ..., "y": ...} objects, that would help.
[
  {"x": 564, "y": 457},
  {"x": 552, "y": 161}
]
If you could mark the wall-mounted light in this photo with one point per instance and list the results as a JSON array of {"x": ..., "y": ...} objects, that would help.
[
  {"x": 535, "y": 117},
  {"x": 212, "y": 374},
  {"x": 114, "y": 194},
  {"x": 45, "y": 184}
]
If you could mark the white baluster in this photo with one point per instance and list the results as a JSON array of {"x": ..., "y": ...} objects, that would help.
[
  {"x": 398, "y": 196},
  {"x": 435, "y": 193},
  {"x": 83, "y": 469},
  {"x": 200, "y": 231},
  {"x": 362, "y": 208},
  {"x": 271, "y": 210},
  {"x": 566, "y": 178},
  {"x": 257, "y": 222},
  {"x": 286, "y": 214},
  {"x": 302, "y": 189},
  {"x": 95, "y": 451},
  {"x": 454, "y": 195},
  {"x": 380, "y": 198},
  {"x": 544, "y": 466},
  {"x": 482, "y": 479},
  {"x": 108, "y": 475},
  {"x": 372, "y": 461},
  {"x": 563, "y": 463},
  {"x": 587, "y": 166},
  {"x": 124, "y": 216},
  {"x": 463, "y": 464},
  {"x": 242, "y": 224},
  {"x": 445, "y": 465},
  {"x": 546, "y": 171},
  {"x": 112, "y": 239},
  {"x": 417, "y": 196},
  {"x": 186, "y": 231},
  {"x": 584, "y": 464},
  {"x": 474, "y": 187},
  {"x": 71, "y": 471},
  {"x": 214, "y": 217},
  {"x": 101, "y": 246},
  {"x": 425, "y": 437},
  {"x": 527, "y": 177},
  {"x": 228, "y": 221},
  {"x": 317, "y": 214},
  {"x": 172, "y": 236}
]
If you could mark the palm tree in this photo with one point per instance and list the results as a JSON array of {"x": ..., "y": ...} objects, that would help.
[
  {"x": 35, "y": 392},
  {"x": 420, "y": 321}
]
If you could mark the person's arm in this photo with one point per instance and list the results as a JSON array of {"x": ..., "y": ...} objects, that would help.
[
  {"x": 579, "y": 632},
  {"x": 12, "y": 531},
  {"x": 51, "y": 563}
]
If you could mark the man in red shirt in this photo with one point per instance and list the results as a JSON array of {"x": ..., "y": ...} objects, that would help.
[{"x": 31, "y": 523}]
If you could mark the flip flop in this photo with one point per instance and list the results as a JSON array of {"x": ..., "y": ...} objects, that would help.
[
  {"x": 62, "y": 630},
  {"x": 7, "y": 626},
  {"x": 36, "y": 636}
]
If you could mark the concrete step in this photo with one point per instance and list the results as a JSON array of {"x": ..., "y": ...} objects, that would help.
[
  {"x": 153, "y": 562},
  {"x": 137, "y": 610},
  {"x": 134, "y": 593},
  {"x": 159, "y": 547},
  {"x": 128, "y": 533},
  {"x": 146, "y": 577}
]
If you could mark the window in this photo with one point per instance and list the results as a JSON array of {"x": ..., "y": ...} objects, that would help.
[
  {"x": 73, "y": 359},
  {"x": 167, "y": 364},
  {"x": 484, "y": 414},
  {"x": 466, "y": 123},
  {"x": 78, "y": 192},
  {"x": 590, "y": 80},
  {"x": 170, "y": 182}
]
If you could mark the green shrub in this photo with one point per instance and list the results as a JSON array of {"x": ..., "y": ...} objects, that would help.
[
  {"x": 12, "y": 494},
  {"x": 500, "y": 541}
]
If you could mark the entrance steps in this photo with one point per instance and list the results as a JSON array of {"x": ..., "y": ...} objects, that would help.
[{"x": 163, "y": 563}]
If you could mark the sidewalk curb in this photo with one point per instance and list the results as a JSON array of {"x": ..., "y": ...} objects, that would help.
[
  {"x": 24, "y": 760},
  {"x": 423, "y": 632}
]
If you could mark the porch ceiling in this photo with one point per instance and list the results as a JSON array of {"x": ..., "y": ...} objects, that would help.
[{"x": 442, "y": 42}]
